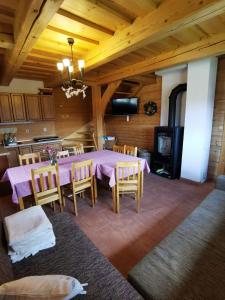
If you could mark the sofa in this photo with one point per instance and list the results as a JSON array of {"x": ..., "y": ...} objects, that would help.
[
  {"x": 190, "y": 262},
  {"x": 74, "y": 255}
]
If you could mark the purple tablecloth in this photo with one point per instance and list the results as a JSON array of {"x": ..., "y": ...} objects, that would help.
[{"x": 104, "y": 163}]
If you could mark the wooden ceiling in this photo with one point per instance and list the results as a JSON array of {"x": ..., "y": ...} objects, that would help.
[{"x": 116, "y": 38}]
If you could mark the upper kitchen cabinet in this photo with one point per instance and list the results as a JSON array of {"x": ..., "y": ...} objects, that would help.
[
  {"x": 47, "y": 107},
  {"x": 33, "y": 107},
  {"x": 6, "y": 113},
  {"x": 18, "y": 105}
]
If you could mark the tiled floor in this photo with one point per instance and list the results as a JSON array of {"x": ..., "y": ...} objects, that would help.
[{"x": 127, "y": 237}]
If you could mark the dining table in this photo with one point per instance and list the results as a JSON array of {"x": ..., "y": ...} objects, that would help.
[{"x": 104, "y": 164}]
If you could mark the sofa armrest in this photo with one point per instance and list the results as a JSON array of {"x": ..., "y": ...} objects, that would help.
[{"x": 220, "y": 182}]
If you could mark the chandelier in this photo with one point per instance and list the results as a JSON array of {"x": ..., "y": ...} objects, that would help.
[{"x": 72, "y": 86}]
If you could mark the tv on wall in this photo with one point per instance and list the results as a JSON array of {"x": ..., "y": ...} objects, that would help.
[{"x": 125, "y": 106}]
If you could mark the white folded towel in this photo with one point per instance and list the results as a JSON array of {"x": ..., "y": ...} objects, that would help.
[
  {"x": 26, "y": 224},
  {"x": 17, "y": 256},
  {"x": 29, "y": 244},
  {"x": 28, "y": 232}
]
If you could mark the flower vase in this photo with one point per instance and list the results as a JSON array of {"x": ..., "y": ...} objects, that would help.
[{"x": 53, "y": 161}]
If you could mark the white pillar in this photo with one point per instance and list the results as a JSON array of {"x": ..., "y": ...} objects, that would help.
[
  {"x": 201, "y": 82},
  {"x": 170, "y": 79}
]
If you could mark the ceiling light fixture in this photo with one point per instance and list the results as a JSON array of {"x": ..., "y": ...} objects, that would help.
[{"x": 72, "y": 86}]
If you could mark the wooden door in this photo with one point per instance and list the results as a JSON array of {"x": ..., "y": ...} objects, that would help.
[
  {"x": 6, "y": 114},
  {"x": 33, "y": 109},
  {"x": 47, "y": 107},
  {"x": 18, "y": 106}
]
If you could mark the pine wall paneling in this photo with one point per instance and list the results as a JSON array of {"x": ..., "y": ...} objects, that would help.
[
  {"x": 139, "y": 131},
  {"x": 218, "y": 121},
  {"x": 71, "y": 114}
]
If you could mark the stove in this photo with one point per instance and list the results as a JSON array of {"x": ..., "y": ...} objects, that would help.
[{"x": 46, "y": 138}]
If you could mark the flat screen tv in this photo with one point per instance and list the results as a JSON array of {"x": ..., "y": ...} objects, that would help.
[{"x": 125, "y": 106}]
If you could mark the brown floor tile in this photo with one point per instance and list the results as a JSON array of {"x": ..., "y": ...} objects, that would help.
[{"x": 127, "y": 237}]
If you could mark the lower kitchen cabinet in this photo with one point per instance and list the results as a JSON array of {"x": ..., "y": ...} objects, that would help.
[
  {"x": 14, "y": 152},
  {"x": 13, "y": 157},
  {"x": 25, "y": 150}
]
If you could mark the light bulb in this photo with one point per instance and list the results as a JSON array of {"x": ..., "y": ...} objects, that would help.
[
  {"x": 60, "y": 66},
  {"x": 80, "y": 64},
  {"x": 71, "y": 69},
  {"x": 66, "y": 62}
]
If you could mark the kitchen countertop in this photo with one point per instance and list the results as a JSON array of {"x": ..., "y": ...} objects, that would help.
[
  {"x": 29, "y": 143},
  {"x": 3, "y": 153}
]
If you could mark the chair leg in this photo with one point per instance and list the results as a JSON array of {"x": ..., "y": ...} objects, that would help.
[
  {"x": 138, "y": 201},
  {"x": 118, "y": 200},
  {"x": 92, "y": 195},
  {"x": 53, "y": 203},
  {"x": 63, "y": 199},
  {"x": 75, "y": 203},
  {"x": 114, "y": 199},
  {"x": 95, "y": 188}
]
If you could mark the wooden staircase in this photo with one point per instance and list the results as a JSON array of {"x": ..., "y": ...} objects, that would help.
[{"x": 87, "y": 138}]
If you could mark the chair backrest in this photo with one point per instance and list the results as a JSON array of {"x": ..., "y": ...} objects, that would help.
[
  {"x": 47, "y": 180},
  {"x": 82, "y": 171},
  {"x": 78, "y": 149},
  {"x": 130, "y": 150},
  {"x": 62, "y": 154},
  {"x": 118, "y": 148},
  {"x": 29, "y": 158},
  {"x": 128, "y": 173}
]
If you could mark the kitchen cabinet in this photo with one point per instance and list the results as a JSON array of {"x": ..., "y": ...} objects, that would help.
[
  {"x": 18, "y": 106},
  {"x": 6, "y": 112},
  {"x": 28, "y": 107},
  {"x": 13, "y": 157},
  {"x": 33, "y": 107},
  {"x": 47, "y": 107}
]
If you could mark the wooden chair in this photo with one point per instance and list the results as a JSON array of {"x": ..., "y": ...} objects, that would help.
[
  {"x": 128, "y": 180},
  {"x": 78, "y": 149},
  {"x": 75, "y": 150},
  {"x": 62, "y": 154},
  {"x": 82, "y": 179},
  {"x": 48, "y": 192},
  {"x": 130, "y": 150},
  {"x": 118, "y": 148},
  {"x": 29, "y": 158}
]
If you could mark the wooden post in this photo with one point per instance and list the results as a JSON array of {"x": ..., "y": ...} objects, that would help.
[
  {"x": 97, "y": 114},
  {"x": 99, "y": 103}
]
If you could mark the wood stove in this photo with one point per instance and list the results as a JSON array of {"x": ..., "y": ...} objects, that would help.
[{"x": 168, "y": 141}]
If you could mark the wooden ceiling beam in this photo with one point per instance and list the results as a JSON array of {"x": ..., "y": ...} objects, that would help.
[
  {"x": 212, "y": 46},
  {"x": 45, "y": 55},
  {"x": 28, "y": 74},
  {"x": 70, "y": 34},
  {"x": 145, "y": 80},
  {"x": 6, "y": 28},
  {"x": 6, "y": 41},
  {"x": 11, "y": 4},
  {"x": 7, "y": 19},
  {"x": 158, "y": 24},
  {"x": 112, "y": 10},
  {"x": 37, "y": 65},
  {"x": 29, "y": 77},
  {"x": 38, "y": 69},
  {"x": 108, "y": 93},
  {"x": 31, "y": 60},
  {"x": 85, "y": 22},
  {"x": 31, "y": 22}
]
